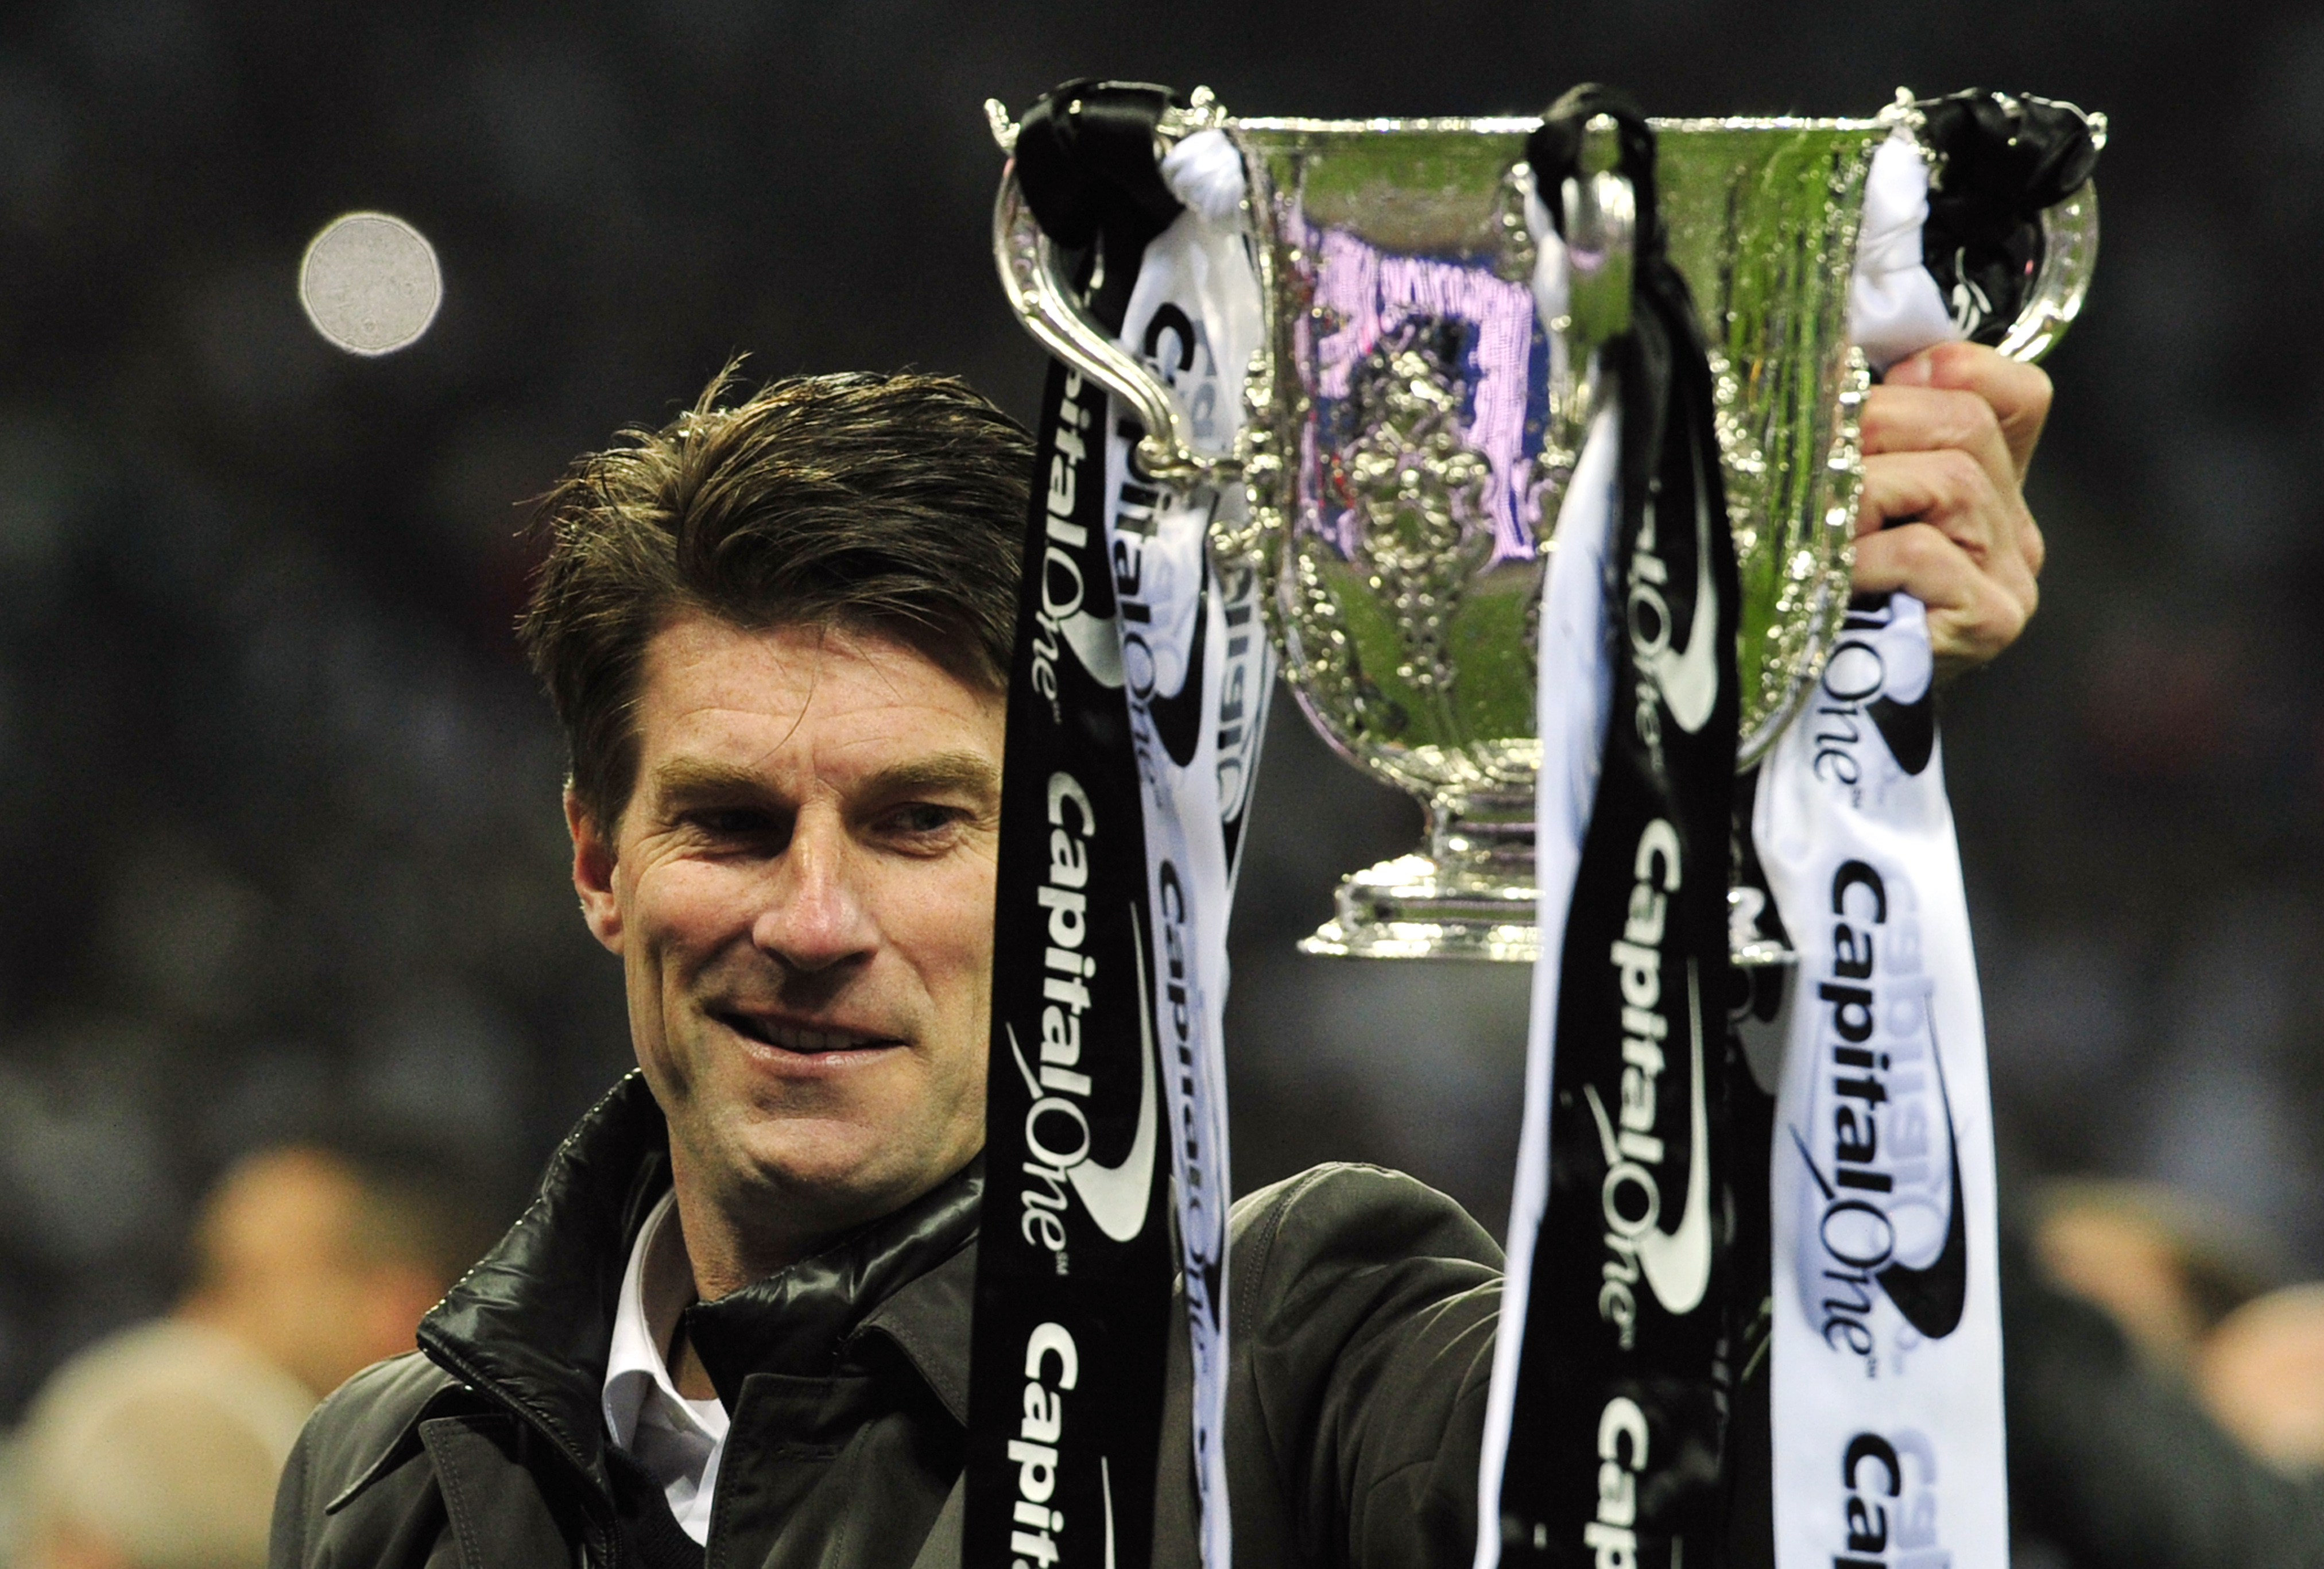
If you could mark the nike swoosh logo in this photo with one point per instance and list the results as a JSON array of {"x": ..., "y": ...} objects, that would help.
[
  {"x": 1097, "y": 644},
  {"x": 1690, "y": 680},
  {"x": 1116, "y": 1196},
  {"x": 1910, "y": 729},
  {"x": 1677, "y": 1264},
  {"x": 1932, "y": 1299},
  {"x": 1105, "y": 1482},
  {"x": 1178, "y": 718}
]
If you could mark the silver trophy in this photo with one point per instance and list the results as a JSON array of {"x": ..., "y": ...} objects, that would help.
[{"x": 1412, "y": 427}]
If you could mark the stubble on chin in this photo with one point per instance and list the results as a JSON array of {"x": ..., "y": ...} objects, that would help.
[{"x": 797, "y": 1157}]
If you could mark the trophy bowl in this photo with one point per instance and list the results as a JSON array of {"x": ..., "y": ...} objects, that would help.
[{"x": 1411, "y": 425}]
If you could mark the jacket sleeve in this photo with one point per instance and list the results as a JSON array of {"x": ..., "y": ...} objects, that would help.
[{"x": 1363, "y": 1309}]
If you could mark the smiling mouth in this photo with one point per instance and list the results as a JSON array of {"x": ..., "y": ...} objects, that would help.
[{"x": 800, "y": 1038}]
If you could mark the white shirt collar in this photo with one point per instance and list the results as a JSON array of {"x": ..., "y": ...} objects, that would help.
[{"x": 676, "y": 1440}]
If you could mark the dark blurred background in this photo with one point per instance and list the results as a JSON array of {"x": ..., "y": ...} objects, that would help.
[{"x": 279, "y": 833}]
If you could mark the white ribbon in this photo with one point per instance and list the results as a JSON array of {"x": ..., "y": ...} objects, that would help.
[
  {"x": 1195, "y": 664},
  {"x": 1886, "y": 1393},
  {"x": 1886, "y": 1397},
  {"x": 1574, "y": 689},
  {"x": 1893, "y": 306}
]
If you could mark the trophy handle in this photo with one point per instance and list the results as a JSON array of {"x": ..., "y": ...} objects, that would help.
[
  {"x": 2069, "y": 251},
  {"x": 1600, "y": 233},
  {"x": 1602, "y": 230},
  {"x": 2069, "y": 240},
  {"x": 1042, "y": 293}
]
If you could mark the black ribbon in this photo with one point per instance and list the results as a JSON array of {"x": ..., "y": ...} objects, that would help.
[
  {"x": 2003, "y": 158},
  {"x": 1617, "y": 1442},
  {"x": 1085, "y": 160},
  {"x": 1660, "y": 360},
  {"x": 1072, "y": 1323}
]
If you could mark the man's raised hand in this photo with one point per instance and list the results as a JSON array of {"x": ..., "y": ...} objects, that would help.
[{"x": 1947, "y": 436}]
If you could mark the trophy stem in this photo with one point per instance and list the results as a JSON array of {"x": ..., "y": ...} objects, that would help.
[
  {"x": 1483, "y": 830},
  {"x": 1471, "y": 897}
]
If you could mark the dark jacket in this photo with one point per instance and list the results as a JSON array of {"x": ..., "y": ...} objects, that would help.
[{"x": 1364, "y": 1310}]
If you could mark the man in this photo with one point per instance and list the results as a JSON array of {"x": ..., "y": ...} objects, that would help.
[
  {"x": 2165, "y": 1265},
  {"x": 737, "y": 1315},
  {"x": 160, "y": 1446},
  {"x": 2114, "y": 1459}
]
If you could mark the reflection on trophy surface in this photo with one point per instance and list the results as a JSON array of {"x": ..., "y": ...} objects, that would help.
[{"x": 1413, "y": 424}]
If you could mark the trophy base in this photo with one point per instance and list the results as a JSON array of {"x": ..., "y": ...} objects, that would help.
[{"x": 1407, "y": 909}]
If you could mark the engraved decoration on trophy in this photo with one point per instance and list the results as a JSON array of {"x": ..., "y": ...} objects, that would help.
[{"x": 1413, "y": 427}]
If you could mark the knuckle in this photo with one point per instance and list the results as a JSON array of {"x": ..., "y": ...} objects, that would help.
[
  {"x": 1876, "y": 421},
  {"x": 1967, "y": 424},
  {"x": 1978, "y": 423},
  {"x": 1915, "y": 546},
  {"x": 1961, "y": 479}
]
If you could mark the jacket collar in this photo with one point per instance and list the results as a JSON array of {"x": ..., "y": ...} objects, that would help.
[
  {"x": 889, "y": 1276},
  {"x": 530, "y": 1326}
]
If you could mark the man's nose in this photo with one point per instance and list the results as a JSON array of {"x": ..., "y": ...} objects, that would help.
[{"x": 815, "y": 918}]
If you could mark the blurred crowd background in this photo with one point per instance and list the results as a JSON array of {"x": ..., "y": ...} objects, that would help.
[{"x": 278, "y": 820}]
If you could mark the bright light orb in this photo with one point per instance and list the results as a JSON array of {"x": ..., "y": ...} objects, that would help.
[{"x": 370, "y": 283}]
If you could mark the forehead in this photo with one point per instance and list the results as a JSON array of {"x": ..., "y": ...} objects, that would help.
[{"x": 833, "y": 699}]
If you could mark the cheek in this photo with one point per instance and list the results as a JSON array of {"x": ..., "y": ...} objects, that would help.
[
  {"x": 943, "y": 921},
  {"x": 689, "y": 905}
]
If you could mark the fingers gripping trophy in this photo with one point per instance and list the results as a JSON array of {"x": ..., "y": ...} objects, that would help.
[{"x": 1537, "y": 446}]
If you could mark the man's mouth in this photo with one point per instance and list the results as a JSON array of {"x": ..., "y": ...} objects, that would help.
[{"x": 805, "y": 1039}]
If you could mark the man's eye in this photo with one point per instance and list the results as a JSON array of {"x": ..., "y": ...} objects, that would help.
[
  {"x": 920, "y": 819},
  {"x": 731, "y": 822}
]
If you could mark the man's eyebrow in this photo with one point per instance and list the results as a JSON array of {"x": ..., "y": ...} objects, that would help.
[
  {"x": 938, "y": 773},
  {"x": 694, "y": 777}
]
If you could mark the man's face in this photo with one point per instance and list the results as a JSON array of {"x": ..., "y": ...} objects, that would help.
[{"x": 801, "y": 893}]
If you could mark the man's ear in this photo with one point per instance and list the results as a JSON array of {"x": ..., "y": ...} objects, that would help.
[{"x": 593, "y": 874}]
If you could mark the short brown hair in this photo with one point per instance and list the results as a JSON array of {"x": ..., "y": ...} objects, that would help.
[{"x": 895, "y": 503}]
